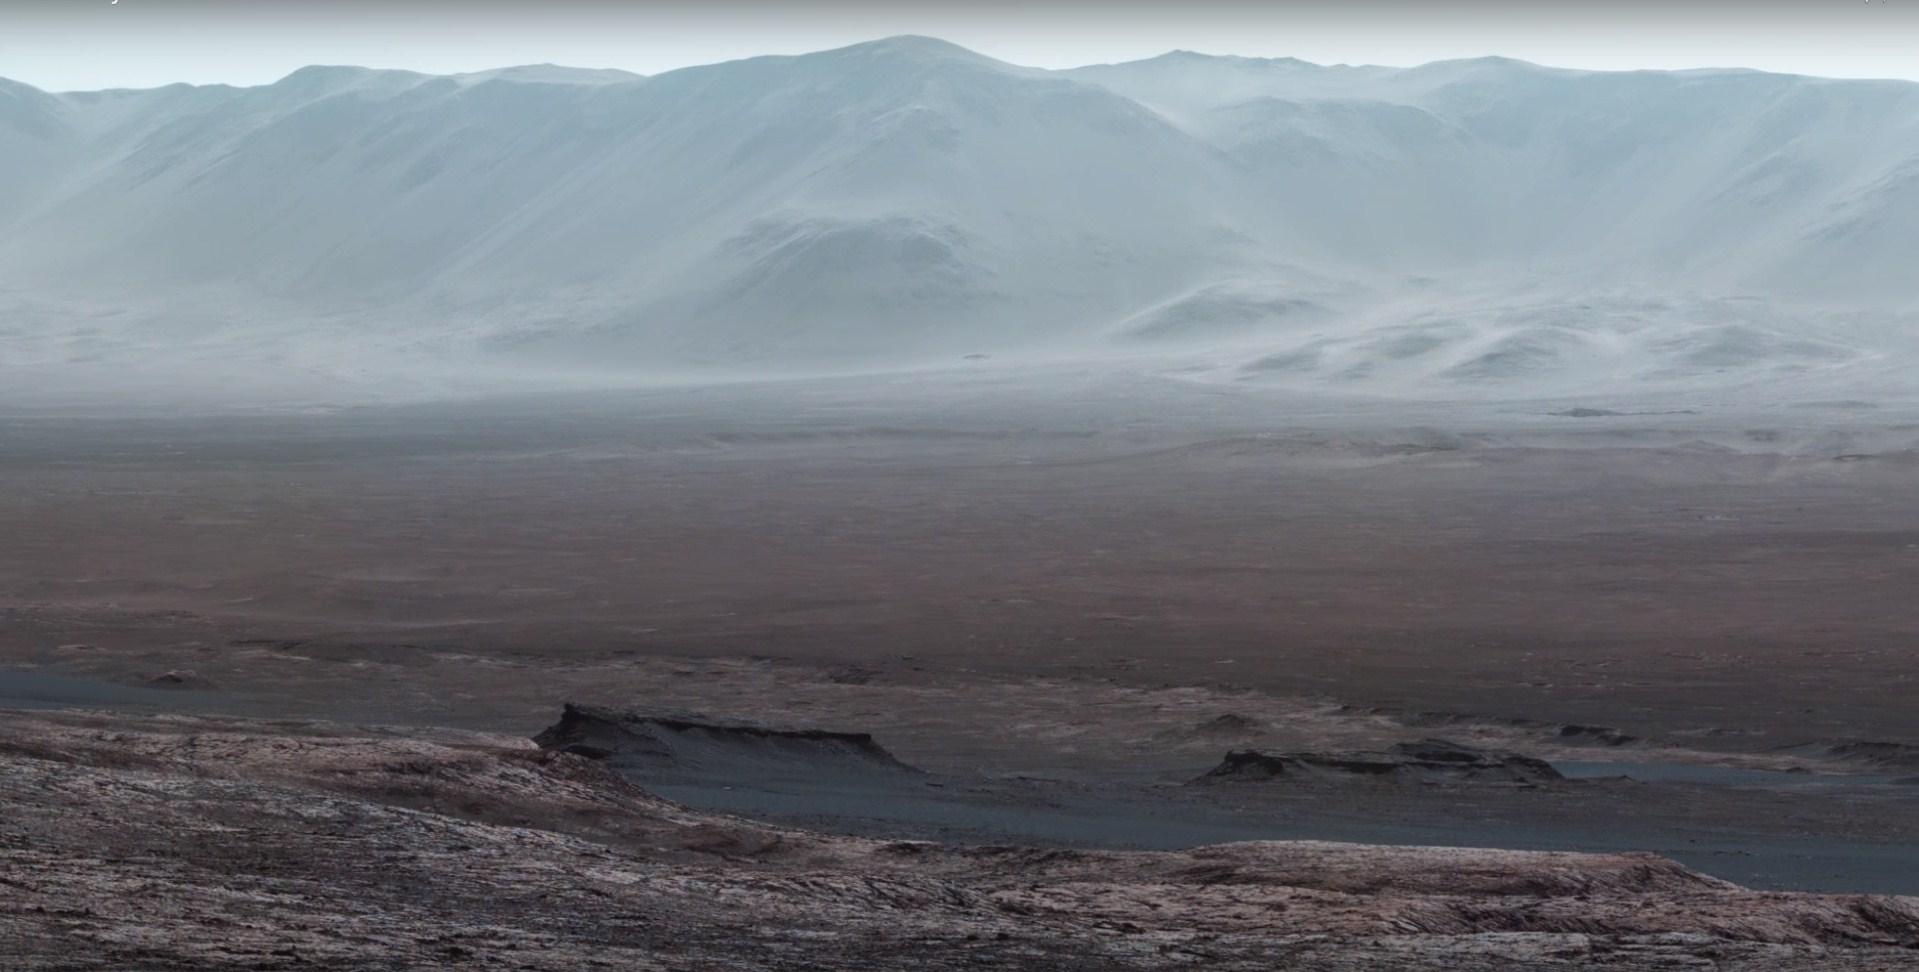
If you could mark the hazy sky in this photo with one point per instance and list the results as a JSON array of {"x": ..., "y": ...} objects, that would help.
[{"x": 75, "y": 44}]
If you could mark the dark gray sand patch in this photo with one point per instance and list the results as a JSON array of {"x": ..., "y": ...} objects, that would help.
[
  {"x": 1230, "y": 725},
  {"x": 40, "y": 690},
  {"x": 847, "y": 783},
  {"x": 1561, "y": 732},
  {"x": 1140, "y": 818},
  {"x": 1589, "y": 412},
  {"x": 1707, "y": 775}
]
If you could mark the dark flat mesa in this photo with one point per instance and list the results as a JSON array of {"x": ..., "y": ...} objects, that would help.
[{"x": 1057, "y": 609}]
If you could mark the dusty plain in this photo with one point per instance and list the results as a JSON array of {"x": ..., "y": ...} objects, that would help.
[{"x": 1061, "y": 606}]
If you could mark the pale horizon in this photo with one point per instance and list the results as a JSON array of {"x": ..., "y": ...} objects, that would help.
[
  {"x": 267, "y": 81},
  {"x": 151, "y": 43}
]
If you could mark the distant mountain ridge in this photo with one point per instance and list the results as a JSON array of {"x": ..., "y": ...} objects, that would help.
[{"x": 908, "y": 201}]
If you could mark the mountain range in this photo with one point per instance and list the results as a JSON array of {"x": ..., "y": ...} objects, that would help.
[{"x": 1467, "y": 227}]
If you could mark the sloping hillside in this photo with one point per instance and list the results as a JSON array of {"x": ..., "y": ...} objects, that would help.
[{"x": 906, "y": 202}]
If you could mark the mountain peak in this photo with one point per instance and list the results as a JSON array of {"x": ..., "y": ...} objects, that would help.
[
  {"x": 1182, "y": 54},
  {"x": 1491, "y": 62},
  {"x": 325, "y": 77},
  {"x": 914, "y": 42},
  {"x": 907, "y": 200},
  {"x": 914, "y": 46}
]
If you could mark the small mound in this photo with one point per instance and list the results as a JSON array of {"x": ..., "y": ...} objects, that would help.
[
  {"x": 1229, "y": 724},
  {"x": 1564, "y": 733},
  {"x": 1739, "y": 346},
  {"x": 1428, "y": 761},
  {"x": 1223, "y": 312},
  {"x": 1878, "y": 753},
  {"x": 179, "y": 679},
  {"x": 1226, "y": 728},
  {"x": 1523, "y": 354},
  {"x": 852, "y": 675},
  {"x": 1602, "y": 735},
  {"x": 1297, "y": 361},
  {"x": 644, "y": 747}
]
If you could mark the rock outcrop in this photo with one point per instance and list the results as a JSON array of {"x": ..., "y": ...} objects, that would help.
[
  {"x": 1429, "y": 761},
  {"x": 660, "y": 746},
  {"x": 170, "y": 844}
]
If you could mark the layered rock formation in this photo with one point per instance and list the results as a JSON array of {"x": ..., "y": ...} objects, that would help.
[{"x": 184, "y": 843}]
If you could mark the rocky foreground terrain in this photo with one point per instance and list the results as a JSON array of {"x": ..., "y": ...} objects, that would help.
[{"x": 172, "y": 842}]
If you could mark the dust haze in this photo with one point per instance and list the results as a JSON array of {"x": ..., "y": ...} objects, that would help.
[
  {"x": 1482, "y": 228},
  {"x": 888, "y": 503}
]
